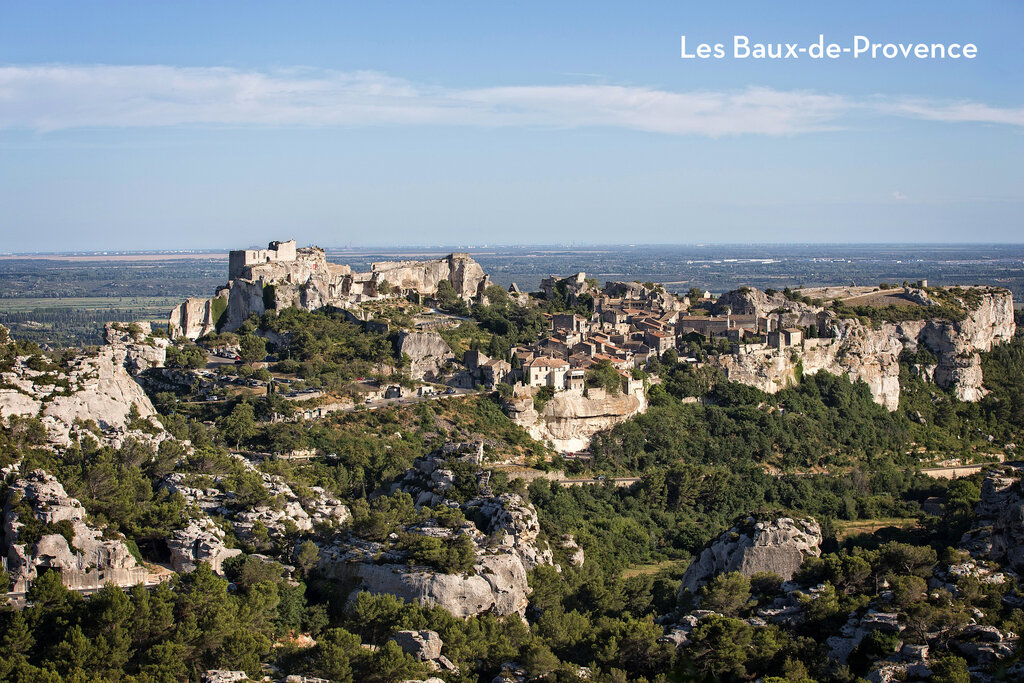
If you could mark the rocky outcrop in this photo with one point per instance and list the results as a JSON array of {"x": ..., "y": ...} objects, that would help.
[
  {"x": 135, "y": 344},
  {"x": 570, "y": 418},
  {"x": 200, "y": 541},
  {"x": 423, "y": 645},
  {"x": 87, "y": 387},
  {"x": 750, "y": 301},
  {"x": 998, "y": 534},
  {"x": 778, "y": 546},
  {"x": 427, "y": 351},
  {"x": 656, "y": 298},
  {"x": 320, "y": 508},
  {"x": 515, "y": 521},
  {"x": 574, "y": 551},
  {"x": 194, "y": 318},
  {"x": 871, "y": 352},
  {"x": 283, "y": 277},
  {"x": 505, "y": 538},
  {"x": 37, "y": 504}
]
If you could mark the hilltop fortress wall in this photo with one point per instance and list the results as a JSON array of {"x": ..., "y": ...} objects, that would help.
[{"x": 283, "y": 275}]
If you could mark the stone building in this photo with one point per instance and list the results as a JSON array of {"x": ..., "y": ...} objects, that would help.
[{"x": 546, "y": 372}]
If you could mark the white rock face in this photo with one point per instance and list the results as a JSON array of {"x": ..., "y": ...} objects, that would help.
[
  {"x": 192, "y": 319},
  {"x": 778, "y": 546},
  {"x": 569, "y": 420},
  {"x": 140, "y": 351},
  {"x": 504, "y": 531},
  {"x": 90, "y": 564},
  {"x": 428, "y": 352},
  {"x": 201, "y": 492},
  {"x": 872, "y": 354},
  {"x": 999, "y": 534},
  {"x": 90, "y": 387},
  {"x": 423, "y": 645},
  {"x": 200, "y": 541}
]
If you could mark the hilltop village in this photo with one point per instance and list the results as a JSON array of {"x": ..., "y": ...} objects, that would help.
[
  {"x": 592, "y": 347},
  {"x": 414, "y": 474}
]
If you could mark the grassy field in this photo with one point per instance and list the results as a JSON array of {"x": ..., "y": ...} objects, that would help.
[
  {"x": 89, "y": 303},
  {"x": 653, "y": 568},
  {"x": 869, "y": 526}
]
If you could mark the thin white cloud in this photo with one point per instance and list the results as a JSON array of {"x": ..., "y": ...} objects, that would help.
[
  {"x": 899, "y": 196},
  {"x": 53, "y": 97}
]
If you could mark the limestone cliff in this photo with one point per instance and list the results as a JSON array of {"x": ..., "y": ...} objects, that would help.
[
  {"x": 92, "y": 386},
  {"x": 778, "y": 546},
  {"x": 871, "y": 352},
  {"x": 303, "y": 278},
  {"x": 137, "y": 346},
  {"x": 89, "y": 561},
  {"x": 570, "y": 418}
]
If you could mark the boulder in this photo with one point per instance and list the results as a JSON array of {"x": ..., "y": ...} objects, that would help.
[
  {"x": 200, "y": 541},
  {"x": 778, "y": 546},
  {"x": 423, "y": 645}
]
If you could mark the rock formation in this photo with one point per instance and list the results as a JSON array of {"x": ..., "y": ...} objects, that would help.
[
  {"x": 778, "y": 546},
  {"x": 504, "y": 531},
  {"x": 656, "y": 298},
  {"x": 282, "y": 276},
  {"x": 200, "y": 541},
  {"x": 38, "y": 502},
  {"x": 427, "y": 351},
  {"x": 999, "y": 531},
  {"x": 570, "y": 418},
  {"x": 203, "y": 541},
  {"x": 135, "y": 344},
  {"x": 87, "y": 387},
  {"x": 870, "y": 353}
]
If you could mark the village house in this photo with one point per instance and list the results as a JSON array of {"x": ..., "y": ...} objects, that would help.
[
  {"x": 660, "y": 342},
  {"x": 546, "y": 372},
  {"x": 790, "y": 336}
]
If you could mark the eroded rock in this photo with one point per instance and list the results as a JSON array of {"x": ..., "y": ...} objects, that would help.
[{"x": 778, "y": 546}]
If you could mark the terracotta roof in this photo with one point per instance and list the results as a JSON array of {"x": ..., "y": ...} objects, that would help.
[{"x": 545, "y": 362}]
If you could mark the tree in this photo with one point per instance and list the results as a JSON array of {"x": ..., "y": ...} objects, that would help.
[
  {"x": 721, "y": 645},
  {"x": 726, "y": 593},
  {"x": 307, "y": 557},
  {"x": 949, "y": 669},
  {"x": 47, "y": 589},
  {"x": 252, "y": 348},
  {"x": 239, "y": 425}
]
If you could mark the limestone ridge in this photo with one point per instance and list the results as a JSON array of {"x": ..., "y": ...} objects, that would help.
[
  {"x": 504, "y": 530},
  {"x": 90, "y": 386},
  {"x": 283, "y": 275},
  {"x": 870, "y": 353},
  {"x": 778, "y": 546},
  {"x": 88, "y": 562},
  {"x": 571, "y": 418}
]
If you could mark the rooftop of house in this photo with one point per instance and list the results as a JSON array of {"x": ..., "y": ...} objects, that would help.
[{"x": 547, "y": 362}]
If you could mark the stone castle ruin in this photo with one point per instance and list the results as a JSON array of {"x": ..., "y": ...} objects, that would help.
[
  {"x": 284, "y": 275},
  {"x": 276, "y": 252}
]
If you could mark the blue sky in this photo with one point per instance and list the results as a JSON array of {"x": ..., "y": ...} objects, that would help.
[{"x": 192, "y": 125}]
